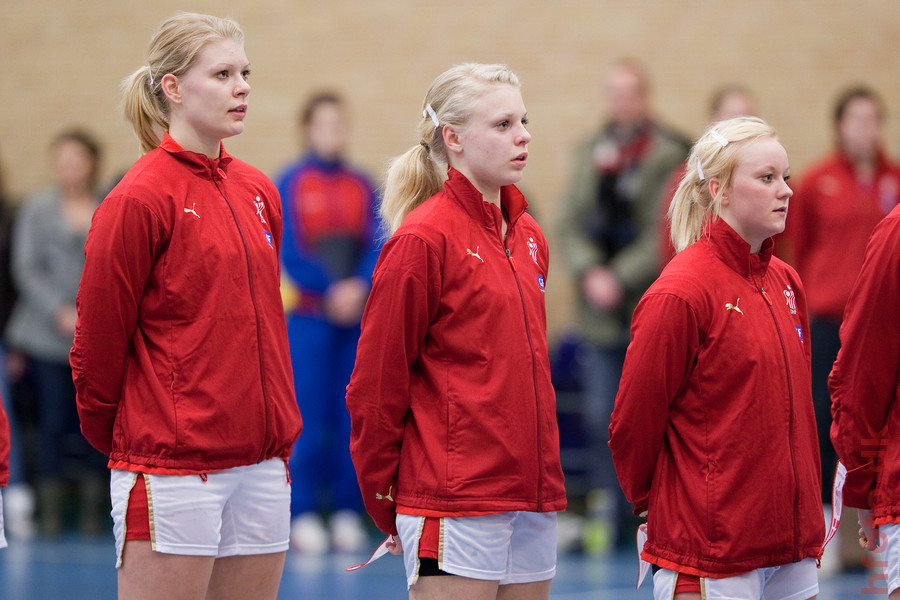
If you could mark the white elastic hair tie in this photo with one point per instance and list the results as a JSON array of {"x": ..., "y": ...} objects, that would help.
[
  {"x": 430, "y": 111},
  {"x": 700, "y": 171},
  {"x": 718, "y": 137},
  {"x": 149, "y": 68}
]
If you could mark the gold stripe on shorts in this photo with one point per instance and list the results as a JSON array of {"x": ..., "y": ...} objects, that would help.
[{"x": 150, "y": 512}]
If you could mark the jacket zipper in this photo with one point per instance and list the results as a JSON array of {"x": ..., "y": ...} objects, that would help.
[
  {"x": 790, "y": 425},
  {"x": 262, "y": 370},
  {"x": 537, "y": 407}
]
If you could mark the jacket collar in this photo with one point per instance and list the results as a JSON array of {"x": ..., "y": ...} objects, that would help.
[
  {"x": 511, "y": 199},
  {"x": 732, "y": 250},
  {"x": 200, "y": 164}
]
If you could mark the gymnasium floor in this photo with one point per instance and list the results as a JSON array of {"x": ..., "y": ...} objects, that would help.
[{"x": 80, "y": 569}]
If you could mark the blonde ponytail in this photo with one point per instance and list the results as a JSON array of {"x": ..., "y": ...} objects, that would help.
[
  {"x": 144, "y": 108},
  {"x": 412, "y": 178}
]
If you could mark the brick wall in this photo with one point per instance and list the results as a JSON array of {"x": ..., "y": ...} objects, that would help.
[{"x": 63, "y": 61}]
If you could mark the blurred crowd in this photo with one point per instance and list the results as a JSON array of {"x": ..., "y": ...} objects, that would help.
[{"x": 613, "y": 235}]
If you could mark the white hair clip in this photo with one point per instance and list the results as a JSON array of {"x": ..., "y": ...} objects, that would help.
[
  {"x": 149, "y": 68},
  {"x": 700, "y": 171},
  {"x": 430, "y": 111},
  {"x": 718, "y": 137}
]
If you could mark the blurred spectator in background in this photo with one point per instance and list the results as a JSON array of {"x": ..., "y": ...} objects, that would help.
[
  {"x": 329, "y": 251},
  {"x": 609, "y": 235},
  {"x": 836, "y": 205},
  {"x": 728, "y": 102},
  {"x": 18, "y": 497},
  {"x": 47, "y": 259}
]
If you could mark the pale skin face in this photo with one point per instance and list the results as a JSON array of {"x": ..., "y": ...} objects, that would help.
[
  {"x": 491, "y": 149},
  {"x": 756, "y": 203},
  {"x": 626, "y": 93},
  {"x": 209, "y": 102},
  {"x": 74, "y": 166},
  {"x": 327, "y": 131},
  {"x": 859, "y": 130},
  {"x": 735, "y": 104}
]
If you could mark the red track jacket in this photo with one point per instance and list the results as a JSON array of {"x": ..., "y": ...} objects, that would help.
[
  {"x": 713, "y": 431},
  {"x": 865, "y": 380},
  {"x": 452, "y": 410},
  {"x": 180, "y": 358}
]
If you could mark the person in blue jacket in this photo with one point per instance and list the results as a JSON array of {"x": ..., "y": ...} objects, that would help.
[{"x": 329, "y": 251}]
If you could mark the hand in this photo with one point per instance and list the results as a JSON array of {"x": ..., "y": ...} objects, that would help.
[
  {"x": 602, "y": 289},
  {"x": 345, "y": 301},
  {"x": 66, "y": 317},
  {"x": 395, "y": 546},
  {"x": 869, "y": 537}
]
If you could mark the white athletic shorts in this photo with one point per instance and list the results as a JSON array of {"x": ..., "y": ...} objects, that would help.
[
  {"x": 889, "y": 552},
  {"x": 238, "y": 511},
  {"x": 794, "y": 581},
  {"x": 2, "y": 535},
  {"x": 510, "y": 547}
]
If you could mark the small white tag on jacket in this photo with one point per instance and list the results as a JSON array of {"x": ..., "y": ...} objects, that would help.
[
  {"x": 380, "y": 551},
  {"x": 643, "y": 565},
  {"x": 837, "y": 500}
]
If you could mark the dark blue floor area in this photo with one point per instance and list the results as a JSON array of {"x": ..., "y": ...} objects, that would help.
[{"x": 79, "y": 569}]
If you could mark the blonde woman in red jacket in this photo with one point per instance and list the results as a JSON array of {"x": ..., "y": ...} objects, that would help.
[
  {"x": 180, "y": 360},
  {"x": 865, "y": 391},
  {"x": 713, "y": 433},
  {"x": 454, "y": 434}
]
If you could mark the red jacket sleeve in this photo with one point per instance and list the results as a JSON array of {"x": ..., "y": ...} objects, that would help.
[
  {"x": 664, "y": 342},
  {"x": 864, "y": 380},
  {"x": 403, "y": 301},
  {"x": 4, "y": 448},
  {"x": 122, "y": 246}
]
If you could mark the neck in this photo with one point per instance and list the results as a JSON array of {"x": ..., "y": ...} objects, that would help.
[
  {"x": 755, "y": 245},
  {"x": 76, "y": 192},
  {"x": 864, "y": 167},
  {"x": 489, "y": 194},
  {"x": 190, "y": 141},
  {"x": 493, "y": 198}
]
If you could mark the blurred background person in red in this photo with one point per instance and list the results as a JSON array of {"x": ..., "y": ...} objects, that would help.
[{"x": 836, "y": 205}]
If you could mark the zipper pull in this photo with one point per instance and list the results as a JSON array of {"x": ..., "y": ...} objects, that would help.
[
  {"x": 508, "y": 253},
  {"x": 766, "y": 297}
]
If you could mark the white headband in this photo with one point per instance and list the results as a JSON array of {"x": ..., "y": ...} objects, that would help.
[
  {"x": 719, "y": 138},
  {"x": 430, "y": 111}
]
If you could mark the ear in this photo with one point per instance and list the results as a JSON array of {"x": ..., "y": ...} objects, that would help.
[
  {"x": 171, "y": 87},
  {"x": 451, "y": 139},
  {"x": 715, "y": 188}
]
